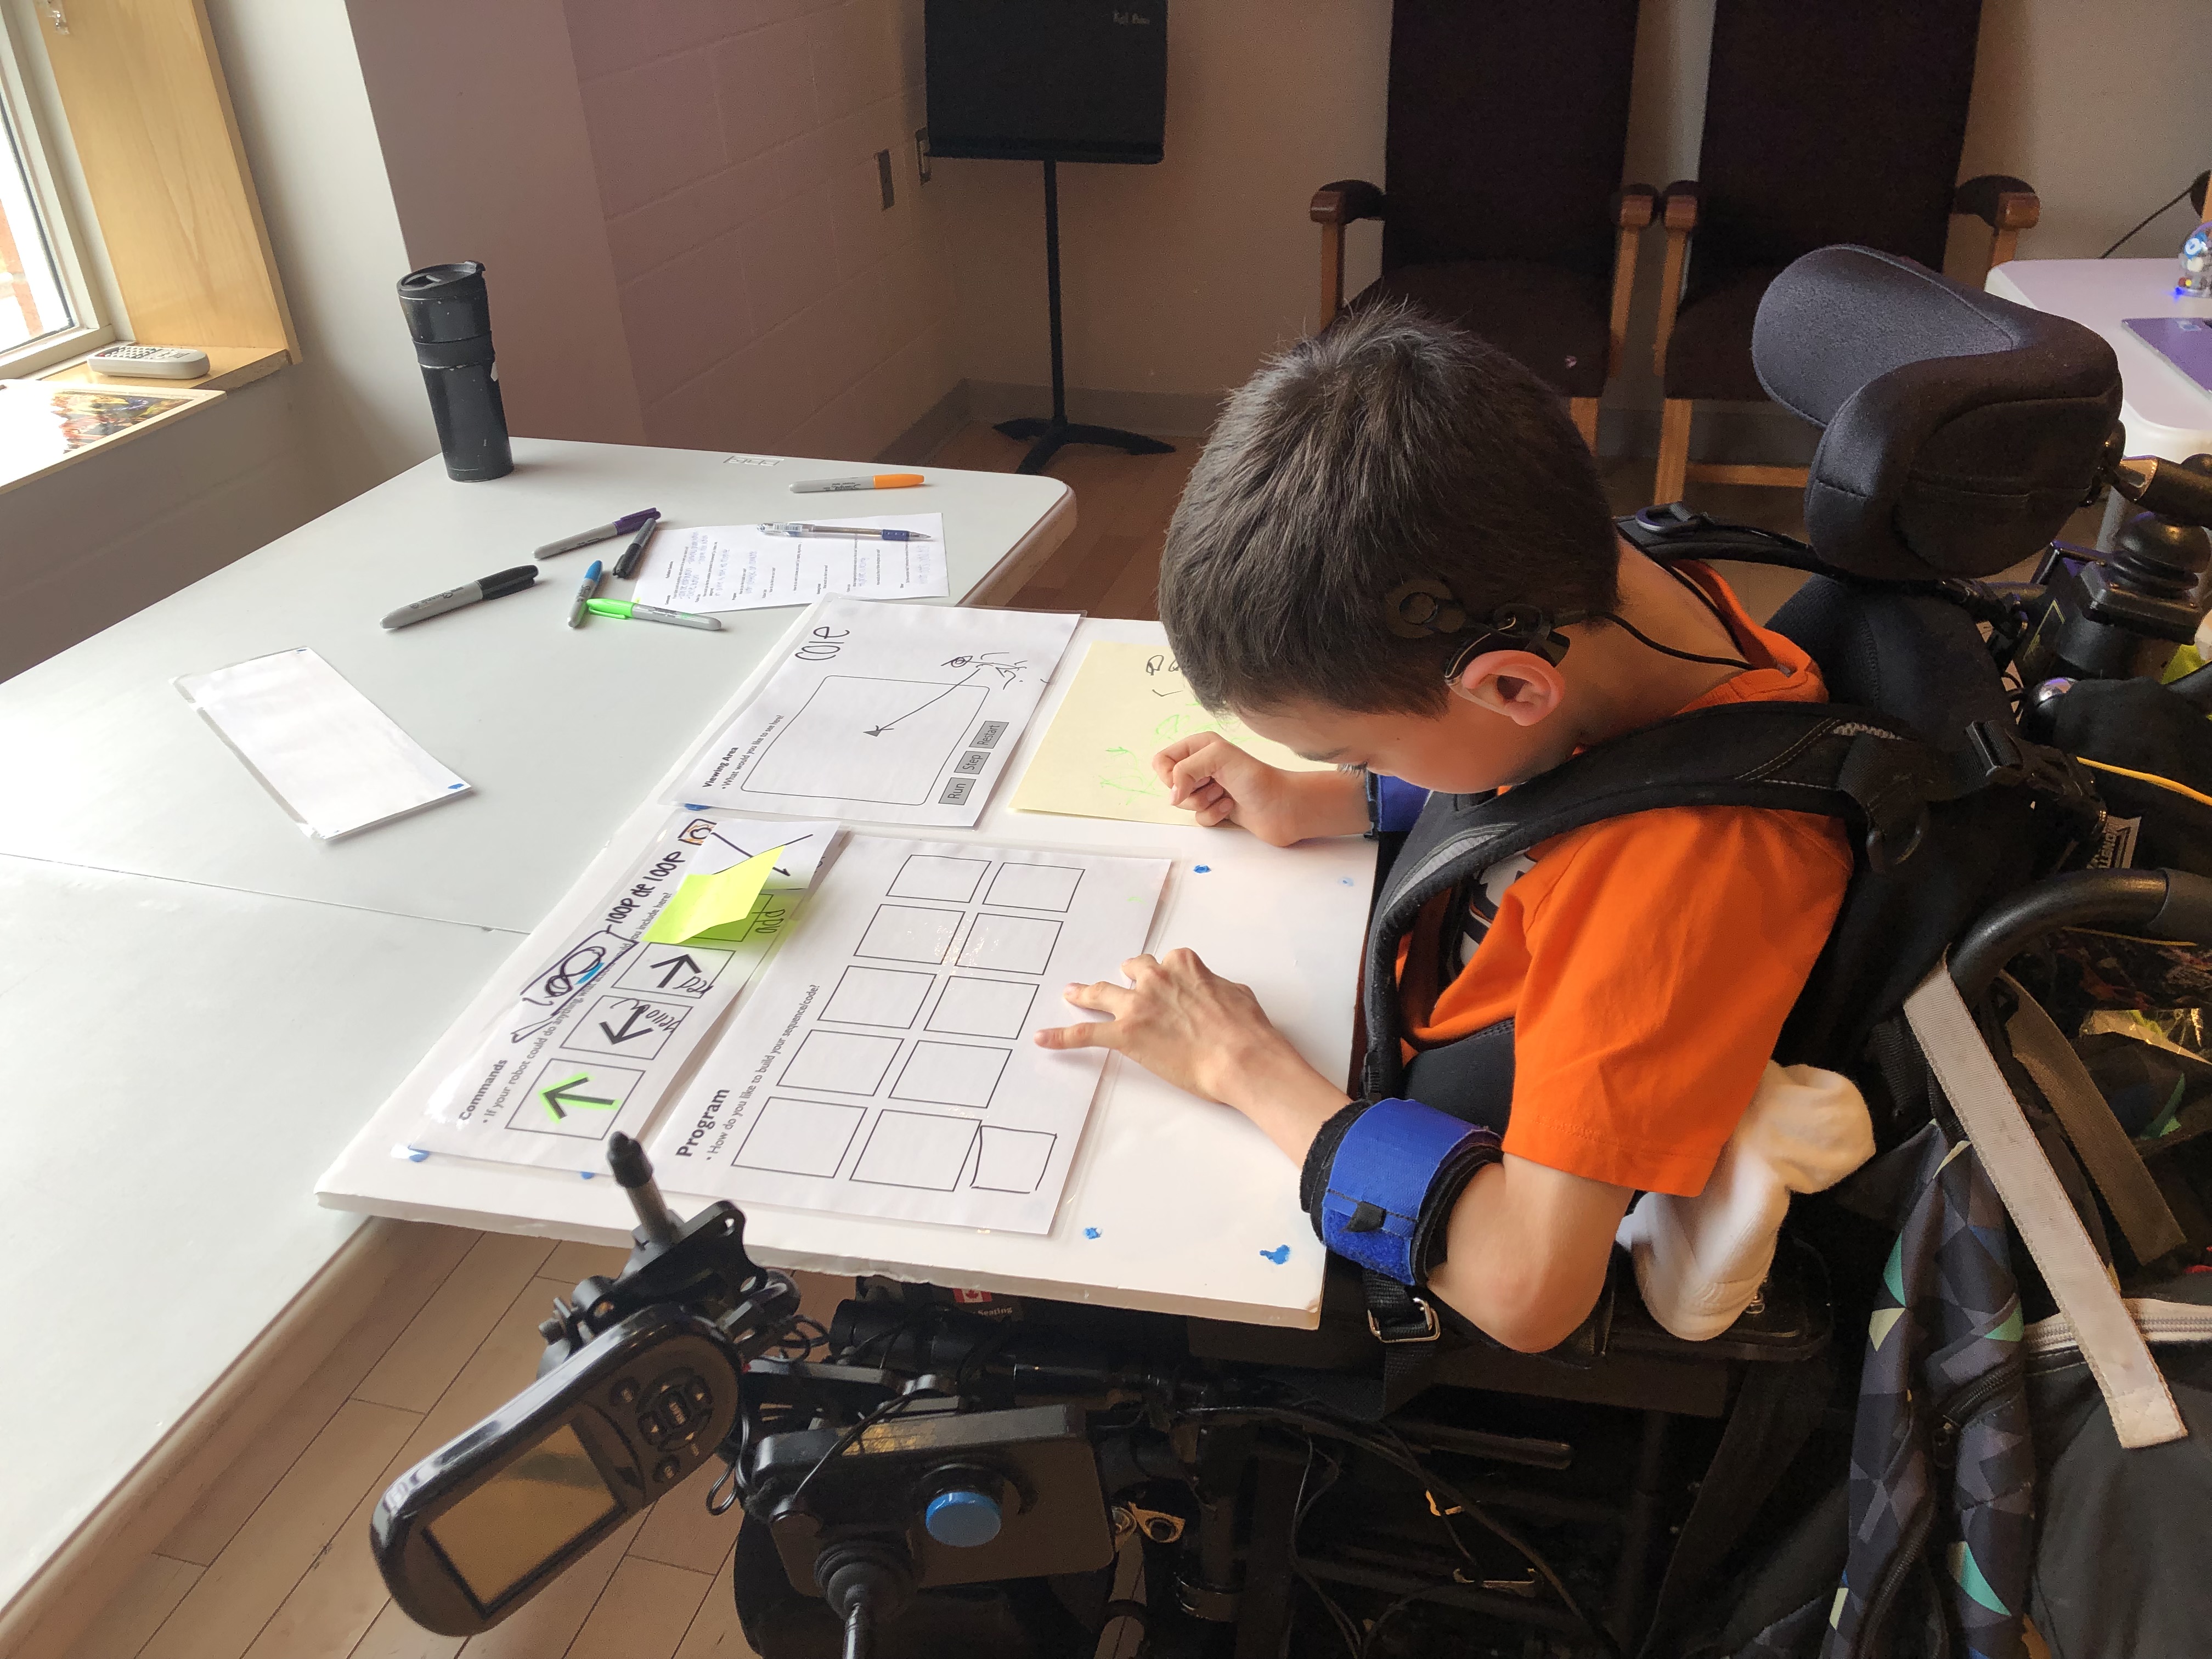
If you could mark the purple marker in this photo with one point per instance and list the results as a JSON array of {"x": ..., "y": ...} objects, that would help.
[{"x": 620, "y": 526}]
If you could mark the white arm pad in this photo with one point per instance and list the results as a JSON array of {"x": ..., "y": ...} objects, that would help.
[{"x": 1700, "y": 1260}]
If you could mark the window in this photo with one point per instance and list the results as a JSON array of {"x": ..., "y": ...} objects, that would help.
[
  {"x": 47, "y": 312},
  {"x": 32, "y": 304}
]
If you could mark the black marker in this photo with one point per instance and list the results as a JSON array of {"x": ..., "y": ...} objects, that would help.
[
  {"x": 626, "y": 565},
  {"x": 484, "y": 588}
]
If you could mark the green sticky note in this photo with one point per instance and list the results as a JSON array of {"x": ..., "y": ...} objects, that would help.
[{"x": 708, "y": 908}]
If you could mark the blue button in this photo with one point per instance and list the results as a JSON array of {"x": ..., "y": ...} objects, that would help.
[{"x": 962, "y": 1519}]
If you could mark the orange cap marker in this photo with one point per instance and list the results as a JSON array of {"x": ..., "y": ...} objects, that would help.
[{"x": 878, "y": 481}]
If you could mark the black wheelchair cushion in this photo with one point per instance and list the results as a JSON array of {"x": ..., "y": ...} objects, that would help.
[
  {"x": 1919, "y": 660},
  {"x": 1962, "y": 429},
  {"x": 1914, "y": 656}
]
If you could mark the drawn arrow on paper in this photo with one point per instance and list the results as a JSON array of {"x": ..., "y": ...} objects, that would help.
[
  {"x": 684, "y": 964},
  {"x": 561, "y": 1094},
  {"x": 629, "y": 1026},
  {"x": 878, "y": 730}
]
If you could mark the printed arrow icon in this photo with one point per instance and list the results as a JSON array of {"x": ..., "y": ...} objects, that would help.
[
  {"x": 629, "y": 1026},
  {"x": 561, "y": 1095},
  {"x": 684, "y": 964}
]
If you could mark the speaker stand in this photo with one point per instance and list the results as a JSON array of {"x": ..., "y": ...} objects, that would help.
[{"x": 1053, "y": 435}]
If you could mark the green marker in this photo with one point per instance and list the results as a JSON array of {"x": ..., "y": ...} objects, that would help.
[{"x": 630, "y": 610}]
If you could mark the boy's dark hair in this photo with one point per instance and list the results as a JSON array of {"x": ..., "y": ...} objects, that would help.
[{"x": 1390, "y": 448}]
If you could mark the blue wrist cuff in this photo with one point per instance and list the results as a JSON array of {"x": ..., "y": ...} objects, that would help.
[
  {"x": 1393, "y": 803},
  {"x": 1388, "y": 1163}
]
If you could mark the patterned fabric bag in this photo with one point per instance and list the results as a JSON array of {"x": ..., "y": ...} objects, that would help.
[{"x": 1990, "y": 1458}]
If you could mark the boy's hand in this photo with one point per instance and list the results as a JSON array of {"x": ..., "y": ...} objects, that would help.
[
  {"x": 1219, "y": 783},
  {"x": 1188, "y": 1026}
]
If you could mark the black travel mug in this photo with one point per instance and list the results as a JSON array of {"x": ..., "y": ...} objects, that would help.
[{"x": 450, "y": 317}]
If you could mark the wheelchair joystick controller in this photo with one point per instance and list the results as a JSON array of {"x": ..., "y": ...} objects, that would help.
[
  {"x": 633, "y": 1173},
  {"x": 867, "y": 1583},
  {"x": 2122, "y": 619}
]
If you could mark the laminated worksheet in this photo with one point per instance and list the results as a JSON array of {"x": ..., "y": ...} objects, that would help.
[
  {"x": 883, "y": 1065},
  {"x": 588, "y": 1039},
  {"x": 1127, "y": 703},
  {"x": 884, "y": 713},
  {"x": 741, "y": 567}
]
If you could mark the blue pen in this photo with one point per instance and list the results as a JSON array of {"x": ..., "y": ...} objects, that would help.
[
  {"x": 841, "y": 530},
  {"x": 585, "y": 594}
]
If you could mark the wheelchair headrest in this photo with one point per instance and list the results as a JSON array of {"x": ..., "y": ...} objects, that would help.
[{"x": 1962, "y": 429}]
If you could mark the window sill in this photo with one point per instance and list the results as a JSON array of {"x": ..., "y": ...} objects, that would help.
[
  {"x": 228, "y": 368},
  {"x": 36, "y": 457}
]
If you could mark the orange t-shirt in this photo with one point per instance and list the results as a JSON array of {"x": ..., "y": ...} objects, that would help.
[{"x": 1647, "y": 962}]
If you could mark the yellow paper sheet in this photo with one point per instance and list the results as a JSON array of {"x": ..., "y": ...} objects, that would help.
[
  {"x": 1128, "y": 703},
  {"x": 718, "y": 906}
]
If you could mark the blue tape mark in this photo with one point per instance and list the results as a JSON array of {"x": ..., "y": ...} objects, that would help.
[
  {"x": 1200, "y": 869},
  {"x": 1090, "y": 1232},
  {"x": 416, "y": 1154},
  {"x": 1279, "y": 1256},
  {"x": 694, "y": 806},
  {"x": 1347, "y": 881},
  {"x": 586, "y": 1174}
]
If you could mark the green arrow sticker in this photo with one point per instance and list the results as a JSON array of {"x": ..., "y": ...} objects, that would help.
[{"x": 557, "y": 1095}]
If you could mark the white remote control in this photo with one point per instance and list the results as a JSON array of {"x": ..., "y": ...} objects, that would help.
[{"x": 145, "y": 362}]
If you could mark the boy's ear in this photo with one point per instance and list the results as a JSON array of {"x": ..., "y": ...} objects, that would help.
[{"x": 1518, "y": 684}]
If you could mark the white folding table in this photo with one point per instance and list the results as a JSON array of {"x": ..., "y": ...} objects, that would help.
[
  {"x": 202, "y": 1007},
  {"x": 199, "y": 1006}
]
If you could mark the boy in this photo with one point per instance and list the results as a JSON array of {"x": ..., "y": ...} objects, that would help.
[{"x": 1335, "y": 574}]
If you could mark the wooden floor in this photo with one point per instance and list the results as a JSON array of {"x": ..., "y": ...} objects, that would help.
[
  {"x": 1111, "y": 566},
  {"x": 273, "y": 1562}
]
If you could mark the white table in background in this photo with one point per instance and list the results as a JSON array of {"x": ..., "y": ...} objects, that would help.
[
  {"x": 199, "y": 1007},
  {"x": 562, "y": 731},
  {"x": 1172, "y": 1205},
  {"x": 2166, "y": 414}
]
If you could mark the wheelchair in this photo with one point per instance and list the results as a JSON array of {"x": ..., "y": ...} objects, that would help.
[{"x": 1185, "y": 1487}]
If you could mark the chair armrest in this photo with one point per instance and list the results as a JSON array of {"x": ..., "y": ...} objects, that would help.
[
  {"x": 2007, "y": 205},
  {"x": 1334, "y": 206},
  {"x": 1346, "y": 200},
  {"x": 1999, "y": 200},
  {"x": 1632, "y": 208},
  {"x": 1681, "y": 203},
  {"x": 1678, "y": 205}
]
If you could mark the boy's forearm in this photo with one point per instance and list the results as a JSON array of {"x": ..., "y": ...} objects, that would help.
[
  {"x": 1286, "y": 1099},
  {"x": 1330, "y": 803}
]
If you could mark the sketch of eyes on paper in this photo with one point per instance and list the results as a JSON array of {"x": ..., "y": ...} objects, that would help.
[{"x": 996, "y": 662}]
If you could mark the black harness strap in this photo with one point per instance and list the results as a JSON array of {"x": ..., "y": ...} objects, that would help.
[{"x": 1867, "y": 768}]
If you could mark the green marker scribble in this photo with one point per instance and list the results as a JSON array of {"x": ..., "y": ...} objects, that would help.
[{"x": 1130, "y": 776}]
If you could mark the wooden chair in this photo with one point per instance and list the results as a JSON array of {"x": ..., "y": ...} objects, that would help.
[
  {"x": 1505, "y": 212},
  {"x": 1823, "y": 123}
]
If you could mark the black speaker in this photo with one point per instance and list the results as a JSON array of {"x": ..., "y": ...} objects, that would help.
[{"x": 1047, "y": 80}]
